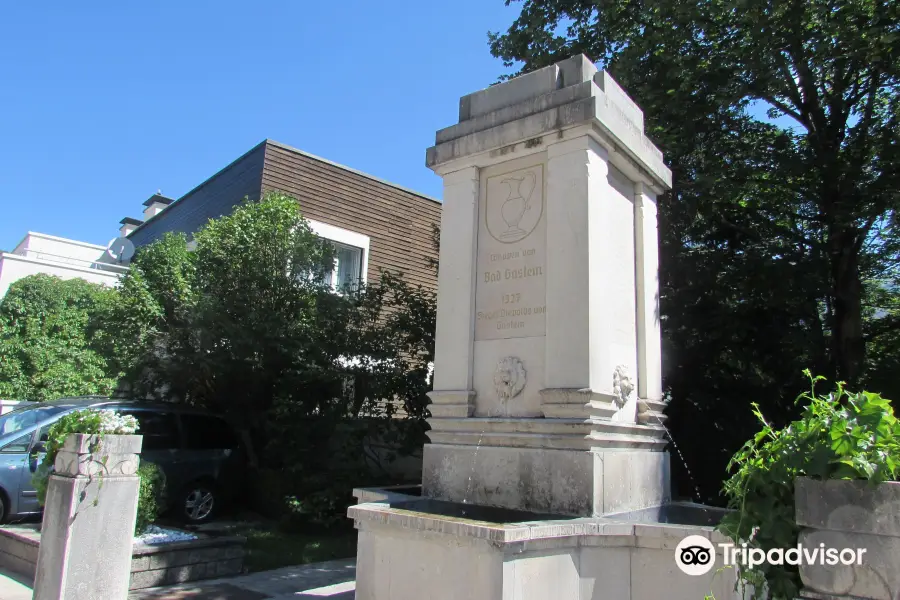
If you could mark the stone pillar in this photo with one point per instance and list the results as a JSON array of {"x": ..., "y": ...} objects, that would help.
[
  {"x": 453, "y": 393},
  {"x": 89, "y": 519},
  {"x": 649, "y": 333},
  {"x": 547, "y": 389},
  {"x": 577, "y": 171}
]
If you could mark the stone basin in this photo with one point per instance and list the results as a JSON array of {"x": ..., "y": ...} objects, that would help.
[
  {"x": 399, "y": 498},
  {"x": 473, "y": 512},
  {"x": 675, "y": 513},
  {"x": 483, "y": 552}
]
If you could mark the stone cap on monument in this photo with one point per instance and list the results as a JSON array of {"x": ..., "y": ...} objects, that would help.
[{"x": 565, "y": 95}]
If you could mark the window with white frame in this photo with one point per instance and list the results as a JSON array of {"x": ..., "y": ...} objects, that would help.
[
  {"x": 351, "y": 255},
  {"x": 347, "y": 272}
]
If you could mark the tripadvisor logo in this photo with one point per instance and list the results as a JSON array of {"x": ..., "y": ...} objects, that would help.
[{"x": 696, "y": 555}]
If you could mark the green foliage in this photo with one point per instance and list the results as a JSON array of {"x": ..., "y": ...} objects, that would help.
[
  {"x": 151, "y": 497},
  {"x": 244, "y": 324},
  {"x": 236, "y": 322},
  {"x": 325, "y": 508},
  {"x": 779, "y": 243},
  {"x": 88, "y": 421},
  {"x": 269, "y": 547},
  {"x": 52, "y": 339},
  {"x": 842, "y": 435}
]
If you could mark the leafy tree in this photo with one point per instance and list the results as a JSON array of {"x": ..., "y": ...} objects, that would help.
[
  {"x": 52, "y": 339},
  {"x": 779, "y": 241},
  {"x": 245, "y": 324},
  {"x": 236, "y": 322}
]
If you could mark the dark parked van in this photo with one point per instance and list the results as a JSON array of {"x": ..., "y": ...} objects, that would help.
[{"x": 200, "y": 454}]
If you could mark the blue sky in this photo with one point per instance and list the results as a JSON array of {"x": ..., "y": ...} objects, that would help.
[{"x": 103, "y": 103}]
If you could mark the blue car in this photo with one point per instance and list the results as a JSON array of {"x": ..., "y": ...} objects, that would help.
[{"x": 200, "y": 454}]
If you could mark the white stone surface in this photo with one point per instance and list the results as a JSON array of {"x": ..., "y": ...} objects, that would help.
[
  {"x": 630, "y": 480},
  {"x": 551, "y": 100},
  {"x": 399, "y": 564},
  {"x": 511, "y": 284},
  {"x": 406, "y": 556},
  {"x": 14, "y": 587},
  {"x": 542, "y": 81},
  {"x": 591, "y": 290},
  {"x": 87, "y": 533},
  {"x": 851, "y": 515},
  {"x": 546, "y": 480},
  {"x": 548, "y": 288},
  {"x": 456, "y": 283},
  {"x": 649, "y": 332},
  {"x": 541, "y": 575}
]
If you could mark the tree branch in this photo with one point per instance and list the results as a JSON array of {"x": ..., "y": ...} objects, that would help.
[
  {"x": 864, "y": 232},
  {"x": 791, "y": 85},
  {"x": 784, "y": 108}
]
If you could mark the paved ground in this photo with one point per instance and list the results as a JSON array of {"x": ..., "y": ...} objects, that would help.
[
  {"x": 14, "y": 587},
  {"x": 333, "y": 580}
]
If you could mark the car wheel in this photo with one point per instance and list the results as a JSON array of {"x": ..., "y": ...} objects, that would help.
[
  {"x": 4, "y": 509},
  {"x": 199, "y": 502}
]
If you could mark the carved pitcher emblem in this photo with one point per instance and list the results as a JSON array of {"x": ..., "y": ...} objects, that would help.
[{"x": 514, "y": 206}]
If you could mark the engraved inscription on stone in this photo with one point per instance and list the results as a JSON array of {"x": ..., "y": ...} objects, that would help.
[{"x": 510, "y": 293}]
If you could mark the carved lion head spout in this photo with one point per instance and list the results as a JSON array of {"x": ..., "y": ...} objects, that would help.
[
  {"x": 509, "y": 378},
  {"x": 622, "y": 385}
]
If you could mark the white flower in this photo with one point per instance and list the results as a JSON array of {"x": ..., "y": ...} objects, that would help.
[
  {"x": 116, "y": 424},
  {"x": 113, "y": 423}
]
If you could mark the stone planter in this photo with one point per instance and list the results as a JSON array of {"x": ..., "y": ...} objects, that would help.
[
  {"x": 850, "y": 514},
  {"x": 90, "y": 455},
  {"x": 89, "y": 519}
]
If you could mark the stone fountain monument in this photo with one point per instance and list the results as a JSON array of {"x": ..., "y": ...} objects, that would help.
[{"x": 547, "y": 474}]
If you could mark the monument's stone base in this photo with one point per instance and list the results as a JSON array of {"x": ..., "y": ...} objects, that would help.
[
  {"x": 568, "y": 482},
  {"x": 409, "y": 555}
]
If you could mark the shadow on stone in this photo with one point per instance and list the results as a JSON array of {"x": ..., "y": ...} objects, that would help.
[
  {"x": 695, "y": 515},
  {"x": 471, "y": 512}
]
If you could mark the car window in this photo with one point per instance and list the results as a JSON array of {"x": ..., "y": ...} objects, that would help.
[
  {"x": 44, "y": 435},
  {"x": 18, "y": 445},
  {"x": 160, "y": 429},
  {"x": 22, "y": 418},
  {"x": 204, "y": 432}
]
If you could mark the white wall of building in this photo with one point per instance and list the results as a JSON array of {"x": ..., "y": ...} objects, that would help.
[
  {"x": 57, "y": 249},
  {"x": 51, "y": 255}
]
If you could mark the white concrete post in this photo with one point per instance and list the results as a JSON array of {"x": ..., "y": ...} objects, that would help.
[
  {"x": 574, "y": 169},
  {"x": 452, "y": 382},
  {"x": 89, "y": 519},
  {"x": 649, "y": 338}
]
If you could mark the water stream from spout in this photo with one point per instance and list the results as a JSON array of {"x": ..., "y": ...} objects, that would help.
[
  {"x": 474, "y": 458},
  {"x": 699, "y": 496}
]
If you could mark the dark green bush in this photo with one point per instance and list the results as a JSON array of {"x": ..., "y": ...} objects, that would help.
[
  {"x": 151, "y": 497},
  {"x": 324, "y": 509}
]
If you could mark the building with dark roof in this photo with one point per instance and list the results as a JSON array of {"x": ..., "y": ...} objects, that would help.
[{"x": 374, "y": 224}]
